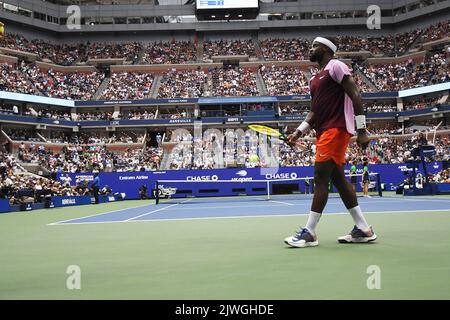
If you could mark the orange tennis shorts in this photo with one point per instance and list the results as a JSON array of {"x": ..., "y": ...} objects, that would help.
[{"x": 332, "y": 144}]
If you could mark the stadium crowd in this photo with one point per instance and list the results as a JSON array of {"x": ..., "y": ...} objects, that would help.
[
  {"x": 183, "y": 84},
  {"x": 123, "y": 137},
  {"x": 13, "y": 79},
  {"x": 137, "y": 114},
  {"x": 237, "y": 81},
  {"x": 436, "y": 31},
  {"x": 381, "y": 106},
  {"x": 174, "y": 52},
  {"x": 284, "y": 80},
  {"x": 408, "y": 74},
  {"x": 285, "y": 49},
  {"x": 128, "y": 86},
  {"x": 228, "y": 48},
  {"x": 128, "y": 50},
  {"x": 233, "y": 81},
  {"x": 72, "y": 86},
  {"x": 185, "y": 51},
  {"x": 294, "y": 109},
  {"x": 421, "y": 102}
]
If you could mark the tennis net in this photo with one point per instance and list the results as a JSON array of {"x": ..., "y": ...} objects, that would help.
[{"x": 179, "y": 191}]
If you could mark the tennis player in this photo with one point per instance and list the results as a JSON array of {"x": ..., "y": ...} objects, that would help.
[{"x": 335, "y": 104}]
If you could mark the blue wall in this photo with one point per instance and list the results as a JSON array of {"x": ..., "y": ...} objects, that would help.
[{"x": 129, "y": 182}]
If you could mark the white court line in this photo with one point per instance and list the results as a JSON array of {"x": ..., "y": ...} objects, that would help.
[
  {"x": 254, "y": 216},
  {"x": 97, "y": 214},
  {"x": 299, "y": 204},
  {"x": 200, "y": 208},
  {"x": 286, "y": 203},
  {"x": 420, "y": 200},
  {"x": 233, "y": 206},
  {"x": 157, "y": 210}
]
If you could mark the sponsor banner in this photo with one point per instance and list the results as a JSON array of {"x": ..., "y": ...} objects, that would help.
[
  {"x": 294, "y": 98},
  {"x": 56, "y": 202},
  {"x": 230, "y": 120},
  {"x": 130, "y": 182},
  {"x": 225, "y": 100},
  {"x": 111, "y": 197},
  {"x": 134, "y": 102},
  {"x": 390, "y": 94},
  {"x": 134, "y": 122}
]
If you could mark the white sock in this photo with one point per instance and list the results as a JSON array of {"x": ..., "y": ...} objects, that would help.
[
  {"x": 313, "y": 219},
  {"x": 358, "y": 217}
]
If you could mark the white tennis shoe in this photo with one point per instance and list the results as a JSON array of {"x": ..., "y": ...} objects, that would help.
[
  {"x": 358, "y": 236},
  {"x": 303, "y": 238}
]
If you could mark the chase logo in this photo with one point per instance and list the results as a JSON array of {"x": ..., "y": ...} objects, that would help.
[
  {"x": 242, "y": 173},
  {"x": 202, "y": 178},
  {"x": 276, "y": 176},
  {"x": 436, "y": 165},
  {"x": 70, "y": 201}
]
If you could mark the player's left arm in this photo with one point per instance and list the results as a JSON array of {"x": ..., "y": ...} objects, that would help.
[{"x": 352, "y": 90}]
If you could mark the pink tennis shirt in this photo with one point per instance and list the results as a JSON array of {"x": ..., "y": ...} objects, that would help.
[{"x": 332, "y": 107}]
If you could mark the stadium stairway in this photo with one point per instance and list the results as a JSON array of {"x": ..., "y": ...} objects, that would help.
[
  {"x": 415, "y": 45},
  {"x": 262, "y": 89},
  {"x": 207, "y": 85},
  {"x": 34, "y": 170},
  {"x": 258, "y": 50},
  {"x": 444, "y": 98},
  {"x": 155, "y": 86},
  {"x": 308, "y": 74},
  {"x": 101, "y": 88},
  {"x": 141, "y": 54},
  {"x": 165, "y": 163},
  {"x": 200, "y": 48},
  {"x": 365, "y": 79},
  {"x": 42, "y": 137}
]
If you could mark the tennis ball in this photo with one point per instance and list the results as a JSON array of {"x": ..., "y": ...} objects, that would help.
[{"x": 254, "y": 158}]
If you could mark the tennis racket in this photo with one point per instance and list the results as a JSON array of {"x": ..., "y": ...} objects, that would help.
[{"x": 300, "y": 146}]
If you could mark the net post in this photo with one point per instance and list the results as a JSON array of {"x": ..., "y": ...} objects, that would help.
[
  {"x": 268, "y": 189},
  {"x": 380, "y": 192},
  {"x": 156, "y": 192}
]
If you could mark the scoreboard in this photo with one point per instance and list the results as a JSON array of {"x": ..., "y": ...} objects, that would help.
[
  {"x": 226, "y": 4},
  {"x": 226, "y": 9}
]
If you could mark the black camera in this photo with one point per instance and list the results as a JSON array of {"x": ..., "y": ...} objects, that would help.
[{"x": 143, "y": 192}]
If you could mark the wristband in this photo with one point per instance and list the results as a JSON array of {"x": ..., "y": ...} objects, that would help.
[
  {"x": 360, "y": 122},
  {"x": 304, "y": 127}
]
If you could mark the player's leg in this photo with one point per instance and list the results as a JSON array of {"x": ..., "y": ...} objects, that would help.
[
  {"x": 306, "y": 237},
  {"x": 354, "y": 180},
  {"x": 345, "y": 189},
  {"x": 362, "y": 232},
  {"x": 366, "y": 188},
  {"x": 322, "y": 175}
]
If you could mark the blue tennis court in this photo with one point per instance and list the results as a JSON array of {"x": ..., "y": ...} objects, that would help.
[{"x": 214, "y": 208}]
